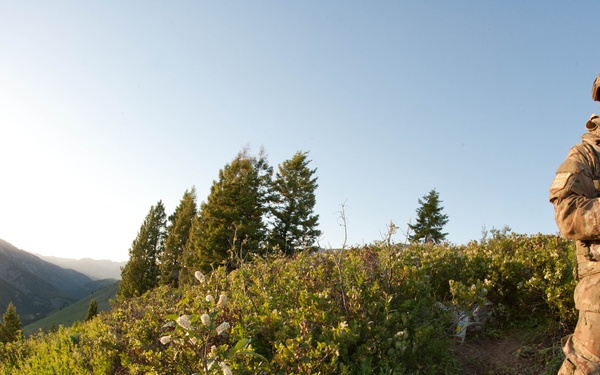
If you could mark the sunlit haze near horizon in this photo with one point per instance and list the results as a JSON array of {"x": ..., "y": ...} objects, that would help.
[{"x": 108, "y": 107}]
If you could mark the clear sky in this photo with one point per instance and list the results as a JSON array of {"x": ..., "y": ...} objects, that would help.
[{"x": 107, "y": 107}]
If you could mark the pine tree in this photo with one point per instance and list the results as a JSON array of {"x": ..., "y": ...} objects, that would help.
[
  {"x": 178, "y": 234},
  {"x": 11, "y": 330},
  {"x": 295, "y": 224},
  {"x": 92, "y": 310},
  {"x": 142, "y": 273},
  {"x": 430, "y": 220},
  {"x": 230, "y": 224}
]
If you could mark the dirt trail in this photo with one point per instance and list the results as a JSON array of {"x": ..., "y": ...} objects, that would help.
[{"x": 508, "y": 355}]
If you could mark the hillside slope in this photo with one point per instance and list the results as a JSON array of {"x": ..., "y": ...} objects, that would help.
[
  {"x": 370, "y": 310},
  {"x": 37, "y": 287}
]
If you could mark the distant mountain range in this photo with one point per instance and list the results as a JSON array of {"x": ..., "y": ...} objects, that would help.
[
  {"x": 37, "y": 287},
  {"x": 95, "y": 269}
]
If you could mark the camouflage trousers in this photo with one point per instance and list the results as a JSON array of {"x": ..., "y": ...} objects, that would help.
[
  {"x": 579, "y": 361},
  {"x": 582, "y": 348}
]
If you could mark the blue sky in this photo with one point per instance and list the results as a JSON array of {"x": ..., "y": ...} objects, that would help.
[{"x": 108, "y": 107}]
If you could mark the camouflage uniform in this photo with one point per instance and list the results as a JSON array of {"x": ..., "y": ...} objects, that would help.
[{"x": 575, "y": 194}]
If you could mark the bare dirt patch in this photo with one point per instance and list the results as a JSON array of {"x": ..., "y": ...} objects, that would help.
[{"x": 509, "y": 355}]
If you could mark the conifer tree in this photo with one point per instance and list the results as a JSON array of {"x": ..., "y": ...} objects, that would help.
[
  {"x": 142, "y": 273},
  {"x": 295, "y": 223},
  {"x": 230, "y": 224},
  {"x": 430, "y": 220},
  {"x": 92, "y": 310},
  {"x": 11, "y": 329},
  {"x": 178, "y": 235}
]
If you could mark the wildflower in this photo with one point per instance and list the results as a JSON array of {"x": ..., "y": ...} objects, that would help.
[
  {"x": 343, "y": 325},
  {"x": 225, "y": 368},
  {"x": 222, "y": 300},
  {"x": 184, "y": 322},
  {"x": 205, "y": 318},
  {"x": 200, "y": 276},
  {"x": 222, "y": 327},
  {"x": 165, "y": 340},
  {"x": 401, "y": 333},
  {"x": 210, "y": 298}
]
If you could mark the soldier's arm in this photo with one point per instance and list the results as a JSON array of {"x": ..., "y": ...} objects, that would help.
[
  {"x": 578, "y": 217},
  {"x": 576, "y": 206}
]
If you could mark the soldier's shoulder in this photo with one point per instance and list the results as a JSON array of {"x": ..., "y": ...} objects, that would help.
[
  {"x": 582, "y": 152},
  {"x": 567, "y": 172}
]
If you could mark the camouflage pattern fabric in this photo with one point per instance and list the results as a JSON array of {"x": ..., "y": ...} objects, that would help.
[
  {"x": 574, "y": 194},
  {"x": 596, "y": 89},
  {"x": 578, "y": 361}
]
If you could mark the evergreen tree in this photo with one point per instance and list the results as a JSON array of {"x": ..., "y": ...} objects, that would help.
[
  {"x": 230, "y": 224},
  {"x": 295, "y": 224},
  {"x": 142, "y": 273},
  {"x": 430, "y": 220},
  {"x": 11, "y": 330},
  {"x": 92, "y": 310},
  {"x": 178, "y": 234}
]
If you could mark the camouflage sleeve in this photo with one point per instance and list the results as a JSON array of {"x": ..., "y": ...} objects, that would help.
[{"x": 576, "y": 207}]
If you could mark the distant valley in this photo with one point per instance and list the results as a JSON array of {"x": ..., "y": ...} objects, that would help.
[
  {"x": 37, "y": 287},
  {"x": 75, "y": 312}
]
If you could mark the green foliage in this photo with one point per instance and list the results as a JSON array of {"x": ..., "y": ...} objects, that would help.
[
  {"x": 142, "y": 273},
  {"x": 177, "y": 238},
  {"x": 93, "y": 310},
  {"x": 430, "y": 220},
  {"x": 11, "y": 329},
  {"x": 204, "y": 331},
  {"x": 84, "y": 349},
  {"x": 230, "y": 224},
  {"x": 522, "y": 275},
  {"x": 375, "y": 310},
  {"x": 295, "y": 223}
]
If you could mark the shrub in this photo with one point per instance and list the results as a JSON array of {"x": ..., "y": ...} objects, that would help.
[{"x": 369, "y": 310}]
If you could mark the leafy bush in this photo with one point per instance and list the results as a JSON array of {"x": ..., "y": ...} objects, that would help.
[{"x": 369, "y": 310}]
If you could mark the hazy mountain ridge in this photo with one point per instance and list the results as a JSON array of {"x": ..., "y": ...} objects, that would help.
[
  {"x": 95, "y": 269},
  {"x": 37, "y": 287}
]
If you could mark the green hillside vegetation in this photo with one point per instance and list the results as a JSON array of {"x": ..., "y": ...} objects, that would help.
[
  {"x": 75, "y": 312},
  {"x": 378, "y": 309}
]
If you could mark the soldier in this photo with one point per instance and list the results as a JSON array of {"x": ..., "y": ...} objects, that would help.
[{"x": 575, "y": 194}]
